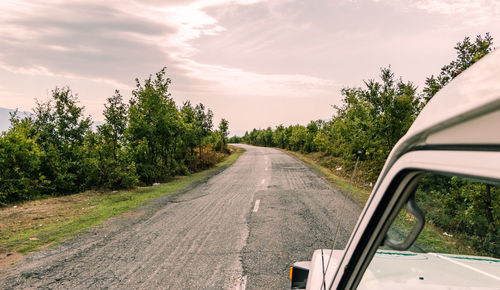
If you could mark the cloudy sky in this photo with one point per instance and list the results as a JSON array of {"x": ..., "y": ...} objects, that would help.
[{"x": 255, "y": 63}]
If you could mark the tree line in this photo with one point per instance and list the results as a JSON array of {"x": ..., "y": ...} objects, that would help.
[
  {"x": 55, "y": 151},
  {"x": 371, "y": 118},
  {"x": 369, "y": 122}
]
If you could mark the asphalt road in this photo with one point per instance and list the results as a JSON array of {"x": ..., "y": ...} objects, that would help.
[{"x": 241, "y": 229}]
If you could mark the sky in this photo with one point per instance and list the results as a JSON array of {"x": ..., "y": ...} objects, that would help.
[{"x": 255, "y": 63}]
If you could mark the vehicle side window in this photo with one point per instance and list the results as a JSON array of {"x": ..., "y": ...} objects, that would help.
[
  {"x": 459, "y": 245},
  {"x": 463, "y": 216}
]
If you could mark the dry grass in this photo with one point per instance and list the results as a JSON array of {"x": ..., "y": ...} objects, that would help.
[{"x": 33, "y": 217}]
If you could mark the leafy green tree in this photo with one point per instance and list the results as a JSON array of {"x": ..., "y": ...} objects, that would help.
[
  {"x": 19, "y": 163},
  {"x": 468, "y": 53},
  {"x": 116, "y": 116},
  {"x": 55, "y": 152},
  {"x": 153, "y": 129},
  {"x": 220, "y": 136},
  {"x": 224, "y": 130},
  {"x": 264, "y": 137},
  {"x": 373, "y": 119},
  {"x": 60, "y": 131},
  {"x": 260, "y": 138},
  {"x": 298, "y": 138},
  {"x": 251, "y": 137},
  {"x": 188, "y": 137},
  {"x": 114, "y": 167},
  {"x": 203, "y": 125},
  {"x": 312, "y": 131},
  {"x": 279, "y": 137},
  {"x": 325, "y": 137},
  {"x": 235, "y": 139}
]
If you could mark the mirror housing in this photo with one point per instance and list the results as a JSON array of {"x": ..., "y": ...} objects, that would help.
[
  {"x": 298, "y": 275},
  {"x": 413, "y": 209}
]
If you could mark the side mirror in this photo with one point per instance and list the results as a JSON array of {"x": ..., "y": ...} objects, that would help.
[{"x": 413, "y": 209}]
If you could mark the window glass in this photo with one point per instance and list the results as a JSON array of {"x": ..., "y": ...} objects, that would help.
[
  {"x": 459, "y": 245},
  {"x": 463, "y": 216}
]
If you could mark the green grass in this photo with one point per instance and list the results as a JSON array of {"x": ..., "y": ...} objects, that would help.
[{"x": 102, "y": 207}]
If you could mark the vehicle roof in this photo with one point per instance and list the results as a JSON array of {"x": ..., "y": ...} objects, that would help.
[{"x": 465, "y": 111}]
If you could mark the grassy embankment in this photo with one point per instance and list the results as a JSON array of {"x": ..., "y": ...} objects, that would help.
[
  {"x": 27, "y": 227},
  {"x": 431, "y": 239}
]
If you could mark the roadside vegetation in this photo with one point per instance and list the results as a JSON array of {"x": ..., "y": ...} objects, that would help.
[
  {"x": 368, "y": 124},
  {"x": 28, "y": 226},
  {"x": 55, "y": 151}
]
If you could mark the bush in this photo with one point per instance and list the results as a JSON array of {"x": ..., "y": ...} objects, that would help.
[{"x": 19, "y": 164}]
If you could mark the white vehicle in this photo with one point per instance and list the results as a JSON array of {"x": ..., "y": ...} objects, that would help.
[{"x": 457, "y": 133}]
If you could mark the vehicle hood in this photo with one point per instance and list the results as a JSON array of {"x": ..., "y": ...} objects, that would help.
[{"x": 407, "y": 270}]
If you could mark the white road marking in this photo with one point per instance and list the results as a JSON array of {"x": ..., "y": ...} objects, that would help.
[
  {"x": 266, "y": 169},
  {"x": 256, "y": 207},
  {"x": 263, "y": 180},
  {"x": 242, "y": 284},
  {"x": 467, "y": 266}
]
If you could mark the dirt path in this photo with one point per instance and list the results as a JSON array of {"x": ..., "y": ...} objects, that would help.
[{"x": 214, "y": 236}]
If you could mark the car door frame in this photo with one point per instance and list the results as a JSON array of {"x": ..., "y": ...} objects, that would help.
[{"x": 393, "y": 190}]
